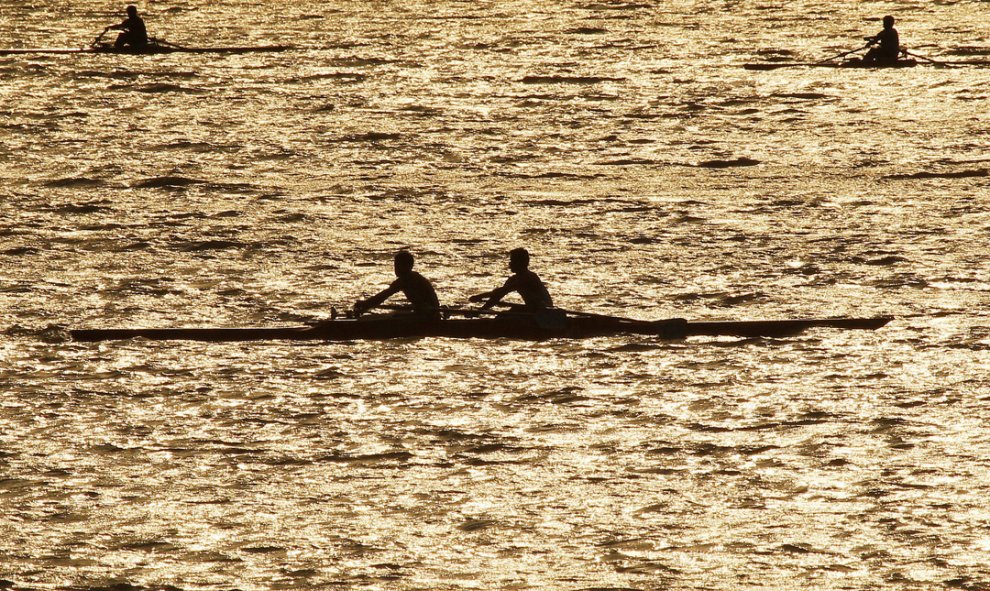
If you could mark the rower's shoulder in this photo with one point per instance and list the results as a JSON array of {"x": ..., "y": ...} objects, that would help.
[
  {"x": 532, "y": 276},
  {"x": 417, "y": 277}
]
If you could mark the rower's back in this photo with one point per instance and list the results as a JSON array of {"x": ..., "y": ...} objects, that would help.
[
  {"x": 526, "y": 283},
  {"x": 531, "y": 289},
  {"x": 888, "y": 44}
]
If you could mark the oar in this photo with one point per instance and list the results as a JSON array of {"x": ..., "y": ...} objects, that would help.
[
  {"x": 671, "y": 328},
  {"x": 672, "y": 322},
  {"x": 514, "y": 310},
  {"x": 604, "y": 317},
  {"x": 99, "y": 38},
  {"x": 841, "y": 55},
  {"x": 928, "y": 59},
  {"x": 455, "y": 311},
  {"x": 775, "y": 66}
]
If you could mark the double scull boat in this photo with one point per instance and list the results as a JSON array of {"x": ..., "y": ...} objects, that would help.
[{"x": 515, "y": 326}]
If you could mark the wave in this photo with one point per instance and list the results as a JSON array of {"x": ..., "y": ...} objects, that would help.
[
  {"x": 166, "y": 182},
  {"x": 343, "y": 76},
  {"x": 628, "y": 162},
  {"x": 80, "y": 208},
  {"x": 969, "y": 50},
  {"x": 19, "y": 251},
  {"x": 568, "y": 79},
  {"x": 885, "y": 261},
  {"x": 233, "y": 187},
  {"x": 595, "y": 6},
  {"x": 160, "y": 88},
  {"x": 193, "y": 146},
  {"x": 742, "y": 161},
  {"x": 356, "y": 62},
  {"x": 587, "y": 31},
  {"x": 206, "y": 245},
  {"x": 805, "y": 96},
  {"x": 371, "y": 136},
  {"x": 133, "y": 246},
  {"x": 74, "y": 182},
  {"x": 958, "y": 174},
  {"x": 399, "y": 456},
  {"x": 53, "y": 333}
]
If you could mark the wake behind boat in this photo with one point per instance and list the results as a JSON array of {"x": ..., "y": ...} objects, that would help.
[{"x": 506, "y": 326}]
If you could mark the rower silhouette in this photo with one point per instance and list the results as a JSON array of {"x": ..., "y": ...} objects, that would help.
[
  {"x": 524, "y": 282},
  {"x": 417, "y": 289},
  {"x": 132, "y": 31},
  {"x": 888, "y": 45}
]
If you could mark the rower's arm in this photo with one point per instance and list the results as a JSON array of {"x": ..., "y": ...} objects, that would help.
[
  {"x": 376, "y": 300},
  {"x": 480, "y": 297},
  {"x": 495, "y": 296}
]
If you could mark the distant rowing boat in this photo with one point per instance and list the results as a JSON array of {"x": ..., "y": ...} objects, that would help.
[
  {"x": 515, "y": 327},
  {"x": 153, "y": 48},
  {"x": 904, "y": 63},
  {"x": 854, "y": 63}
]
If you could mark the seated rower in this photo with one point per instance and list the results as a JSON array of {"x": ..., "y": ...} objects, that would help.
[
  {"x": 416, "y": 288},
  {"x": 523, "y": 281},
  {"x": 889, "y": 44},
  {"x": 132, "y": 31}
]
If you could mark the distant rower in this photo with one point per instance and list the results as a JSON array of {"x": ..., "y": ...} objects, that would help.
[
  {"x": 416, "y": 288},
  {"x": 523, "y": 281},
  {"x": 132, "y": 31},
  {"x": 889, "y": 44}
]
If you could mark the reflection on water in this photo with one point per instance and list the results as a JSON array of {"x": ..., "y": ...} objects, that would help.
[{"x": 649, "y": 175}]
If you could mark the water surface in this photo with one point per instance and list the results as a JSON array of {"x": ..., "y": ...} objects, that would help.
[{"x": 649, "y": 175}]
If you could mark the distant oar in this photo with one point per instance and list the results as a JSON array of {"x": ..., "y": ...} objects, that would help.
[
  {"x": 780, "y": 66},
  {"x": 841, "y": 55},
  {"x": 824, "y": 62}
]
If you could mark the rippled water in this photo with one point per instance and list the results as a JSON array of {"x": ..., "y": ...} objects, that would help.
[{"x": 649, "y": 174}]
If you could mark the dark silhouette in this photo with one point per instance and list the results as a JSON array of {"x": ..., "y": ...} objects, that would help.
[
  {"x": 523, "y": 281},
  {"x": 132, "y": 31},
  {"x": 416, "y": 288},
  {"x": 889, "y": 47}
]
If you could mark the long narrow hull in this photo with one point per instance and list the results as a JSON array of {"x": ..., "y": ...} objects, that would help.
[
  {"x": 483, "y": 328},
  {"x": 854, "y": 63},
  {"x": 151, "y": 49}
]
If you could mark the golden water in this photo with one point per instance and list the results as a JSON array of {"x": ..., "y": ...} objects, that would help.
[{"x": 261, "y": 189}]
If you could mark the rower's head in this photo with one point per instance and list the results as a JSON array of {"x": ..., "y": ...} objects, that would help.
[
  {"x": 518, "y": 260},
  {"x": 403, "y": 262},
  {"x": 888, "y": 22}
]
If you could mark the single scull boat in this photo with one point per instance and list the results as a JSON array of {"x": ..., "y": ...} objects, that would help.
[
  {"x": 153, "y": 48},
  {"x": 853, "y": 63}
]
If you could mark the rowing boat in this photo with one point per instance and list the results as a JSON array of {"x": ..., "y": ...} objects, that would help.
[
  {"x": 853, "y": 63},
  {"x": 149, "y": 49},
  {"x": 511, "y": 327}
]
